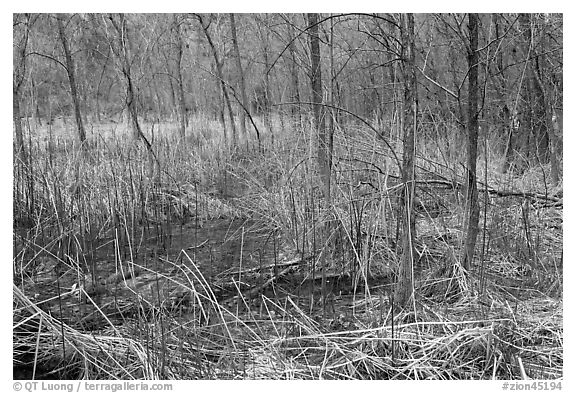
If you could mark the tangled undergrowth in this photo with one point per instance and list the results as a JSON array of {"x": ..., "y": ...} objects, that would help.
[{"x": 205, "y": 262}]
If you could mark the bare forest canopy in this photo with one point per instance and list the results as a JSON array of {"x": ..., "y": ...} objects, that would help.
[{"x": 179, "y": 64}]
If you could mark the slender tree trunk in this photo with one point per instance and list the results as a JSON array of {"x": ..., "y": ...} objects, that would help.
[
  {"x": 19, "y": 148},
  {"x": 71, "y": 78},
  {"x": 181, "y": 97},
  {"x": 503, "y": 115},
  {"x": 122, "y": 54},
  {"x": 508, "y": 131},
  {"x": 554, "y": 110},
  {"x": 220, "y": 76},
  {"x": 534, "y": 95},
  {"x": 98, "y": 110},
  {"x": 323, "y": 149},
  {"x": 36, "y": 106},
  {"x": 331, "y": 88},
  {"x": 172, "y": 96},
  {"x": 221, "y": 106},
  {"x": 267, "y": 92},
  {"x": 472, "y": 206},
  {"x": 555, "y": 149},
  {"x": 240, "y": 75},
  {"x": 405, "y": 286},
  {"x": 296, "y": 113},
  {"x": 541, "y": 113},
  {"x": 318, "y": 108},
  {"x": 19, "y": 73},
  {"x": 132, "y": 108}
]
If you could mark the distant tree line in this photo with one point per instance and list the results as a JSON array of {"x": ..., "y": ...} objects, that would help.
[{"x": 93, "y": 67}]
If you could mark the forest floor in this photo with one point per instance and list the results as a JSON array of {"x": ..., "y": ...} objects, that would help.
[{"x": 207, "y": 263}]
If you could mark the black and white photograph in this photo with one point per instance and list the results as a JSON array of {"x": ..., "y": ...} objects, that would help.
[{"x": 288, "y": 196}]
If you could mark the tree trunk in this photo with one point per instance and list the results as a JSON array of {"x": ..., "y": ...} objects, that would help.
[
  {"x": 220, "y": 76},
  {"x": 555, "y": 148},
  {"x": 19, "y": 71},
  {"x": 122, "y": 53},
  {"x": 240, "y": 75},
  {"x": 181, "y": 97},
  {"x": 323, "y": 148},
  {"x": 502, "y": 116},
  {"x": 534, "y": 94},
  {"x": 172, "y": 95},
  {"x": 19, "y": 148},
  {"x": 296, "y": 113},
  {"x": 472, "y": 206},
  {"x": 267, "y": 93},
  {"x": 331, "y": 88},
  {"x": 542, "y": 115},
  {"x": 221, "y": 105},
  {"x": 405, "y": 286},
  {"x": 131, "y": 104},
  {"x": 508, "y": 128},
  {"x": 71, "y": 78}
]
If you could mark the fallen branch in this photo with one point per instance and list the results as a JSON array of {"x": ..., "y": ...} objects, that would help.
[{"x": 260, "y": 288}]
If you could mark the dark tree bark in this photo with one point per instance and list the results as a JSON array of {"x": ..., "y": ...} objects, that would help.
[
  {"x": 405, "y": 286},
  {"x": 240, "y": 75},
  {"x": 71, "y": 77},
  {"x": 472, "y": 206}
]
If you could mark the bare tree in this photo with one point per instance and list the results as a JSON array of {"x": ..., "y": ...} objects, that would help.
[
  {"x": 472, "y": 207},
  {"x": 555, "y": 148},
  {"x": 296, "y": 113},
  {"x": 405, "y": 286},
  {"x": 179, "y": 78},
  {"x": 120, "y": 47},
  {"x": 267, "y": 93},
  {"x": 219, "y": 74},
  {"x": 320, "y": 125},
  {"x": 21, "y": 25},
  {"x": 60, "y": 19},
  {"x": 240, "y": 75},
  {"x": 318, "y": 108},
  {"x": 534, "y": 108}
]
